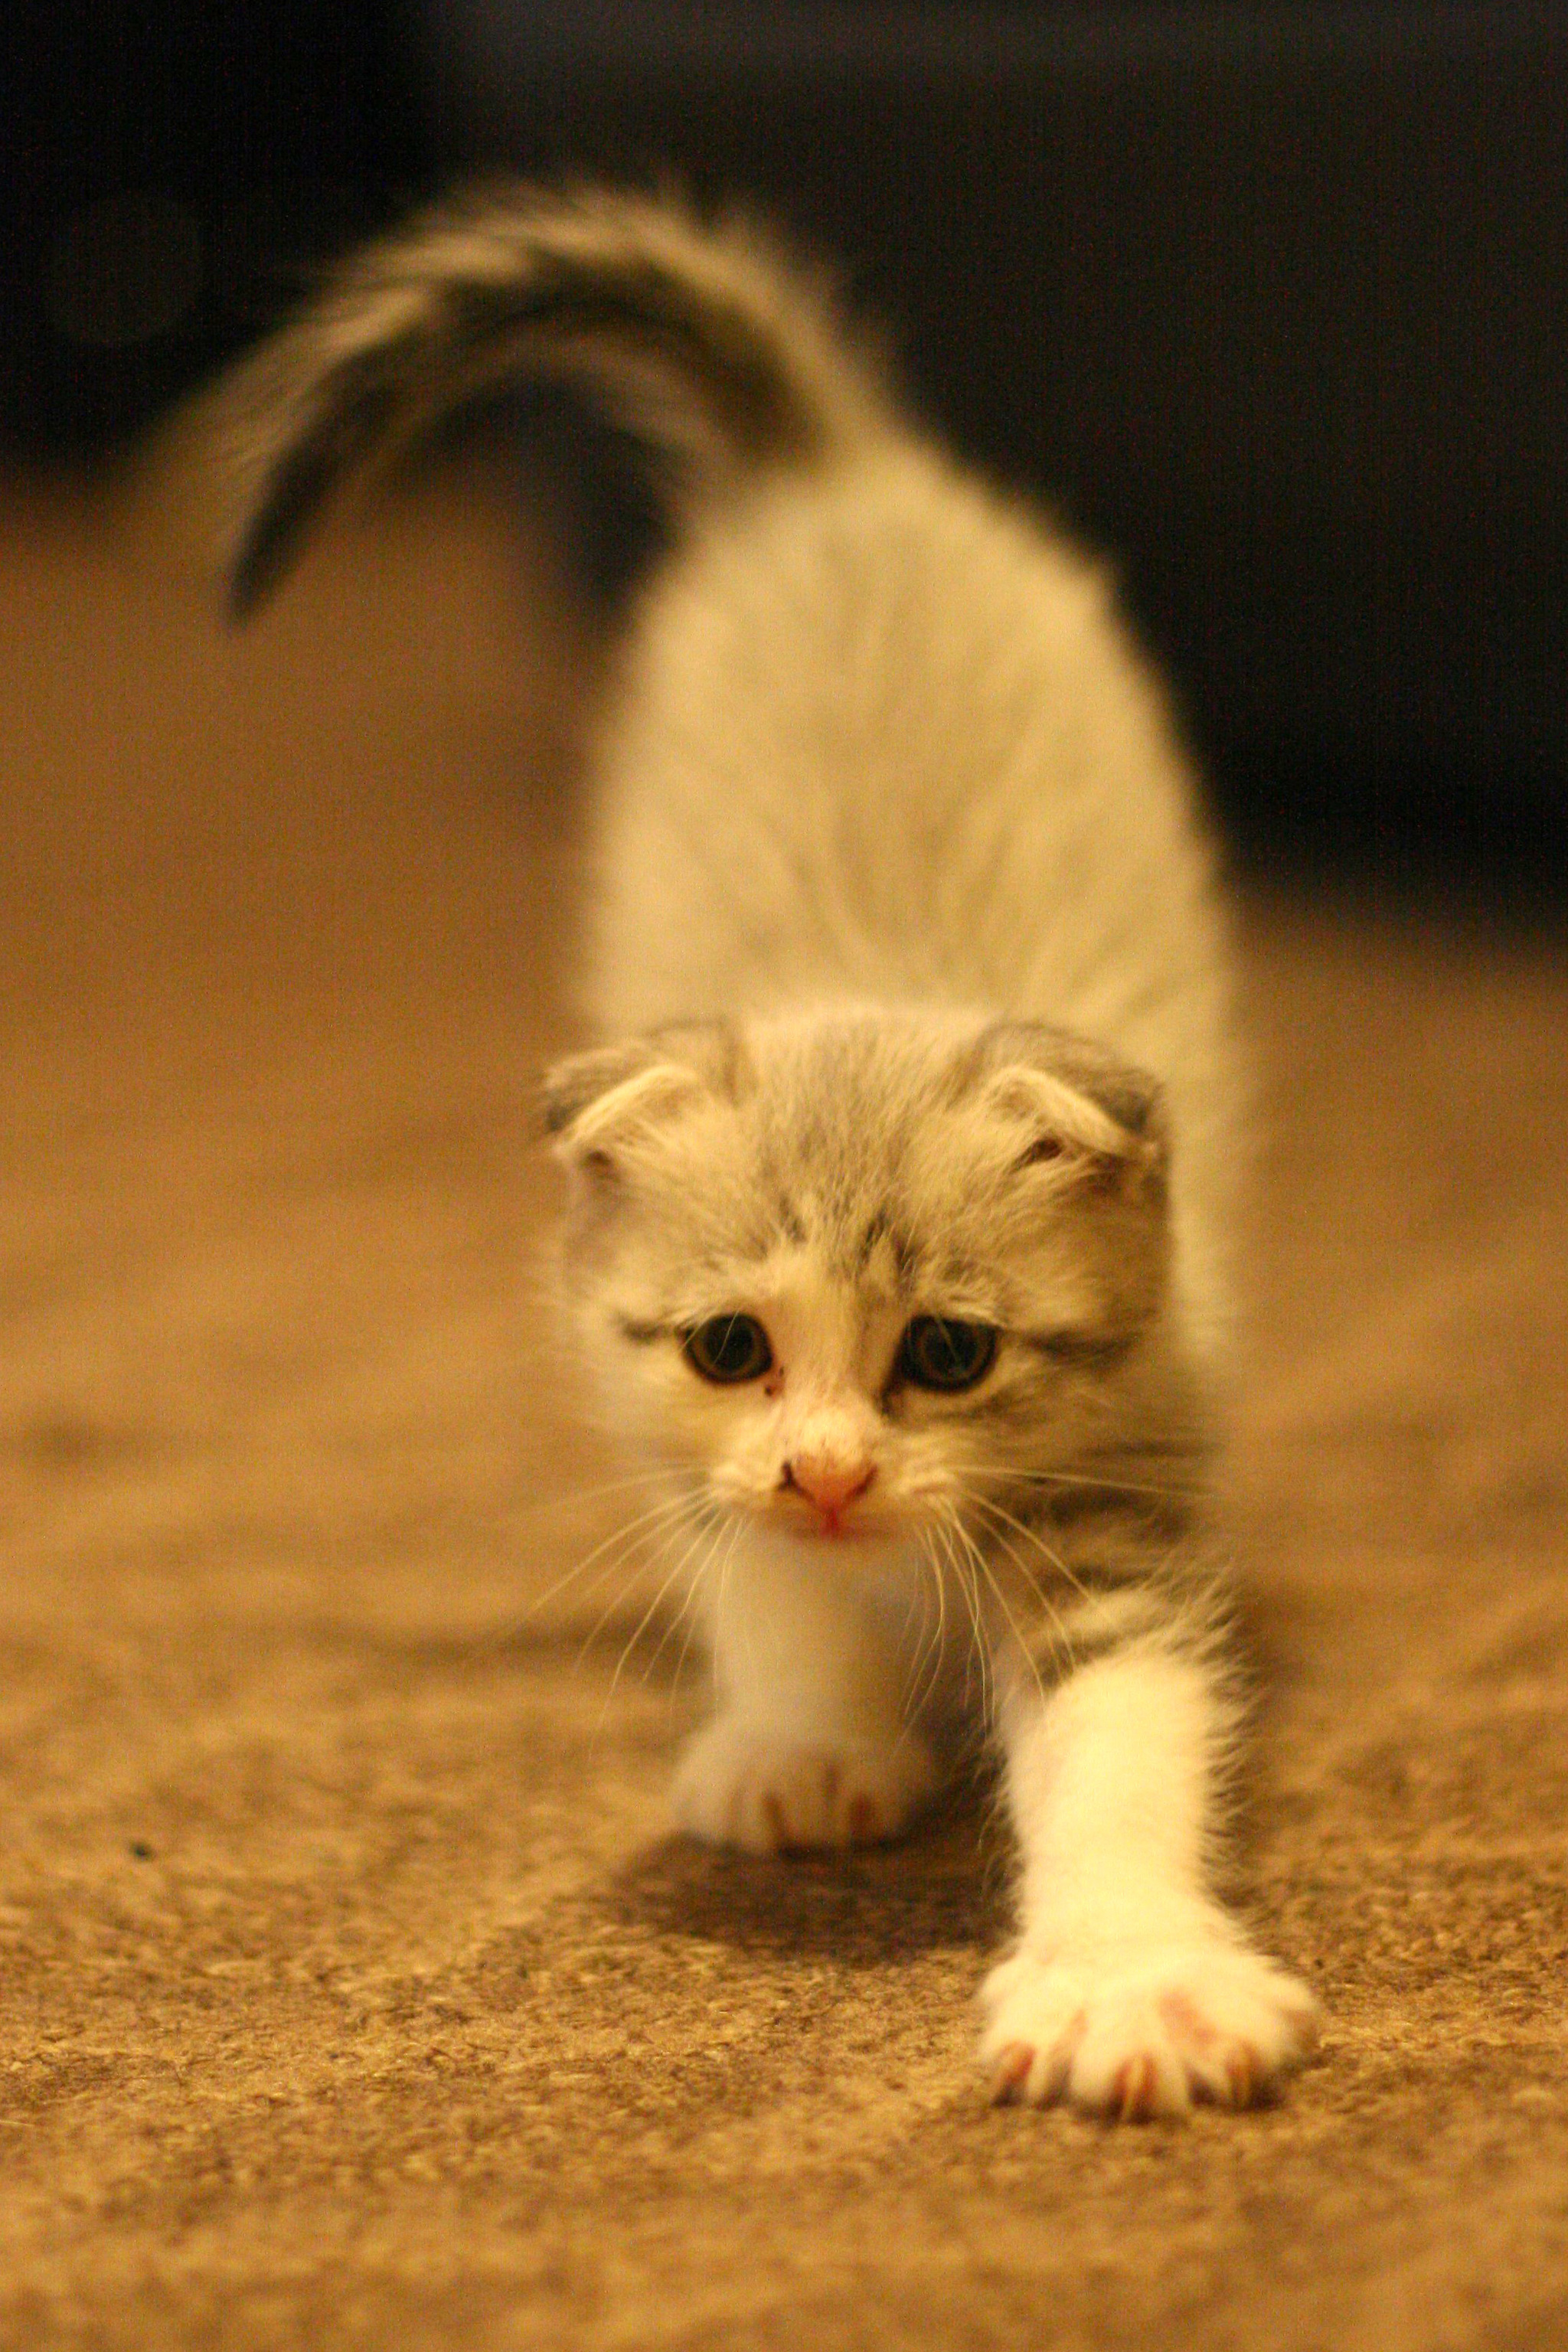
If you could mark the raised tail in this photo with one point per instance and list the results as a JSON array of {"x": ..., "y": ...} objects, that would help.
[{"x": 718, "y": 356}]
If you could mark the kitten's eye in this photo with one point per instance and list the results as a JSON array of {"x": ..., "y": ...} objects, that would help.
[
  {"x": 730, "y": 1347},
  {"x": 936, "y": 1353}
]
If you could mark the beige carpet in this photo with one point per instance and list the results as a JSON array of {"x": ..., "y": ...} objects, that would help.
[{"x": 351, "y": 1991}]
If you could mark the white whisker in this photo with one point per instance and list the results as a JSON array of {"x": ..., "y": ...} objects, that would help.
[
  {"x": 670, "y": 1528},
  {"x": 565, "y": 1498},
  {"x": 984, "y": 1565},
  {"x": 1036, "y": 1591},
  {"x": 915, "y": 1694},
  {"x": 618, "y": 1542},
  {"x": 651, "y": 1610},
  {"x": 1032, "y": 1535},
  {"x": 714, "y": 1528},
  {"x": 1080, "y": 1481},
  {"x": 695, "y": 1615},
  {"x": 952, "y": 1528}
]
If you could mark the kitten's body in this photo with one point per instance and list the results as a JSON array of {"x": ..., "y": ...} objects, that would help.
[{"x": 893, "y": 827}]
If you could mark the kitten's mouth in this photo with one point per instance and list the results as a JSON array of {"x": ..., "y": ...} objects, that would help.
[
  {"x": 826, "y": 1528},
  {"x": 848, "y": 1523}
]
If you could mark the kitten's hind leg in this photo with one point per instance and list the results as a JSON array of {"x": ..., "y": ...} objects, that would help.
[
  {"x": 1132, "y": 1992},
  {"x": 809, "y": 1746}
]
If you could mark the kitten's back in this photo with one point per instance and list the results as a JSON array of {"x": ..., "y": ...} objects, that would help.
[{"x": 882, "y": 737}]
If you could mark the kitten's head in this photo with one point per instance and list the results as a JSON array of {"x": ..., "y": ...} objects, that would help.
[{"x": 848, "y": 1271}]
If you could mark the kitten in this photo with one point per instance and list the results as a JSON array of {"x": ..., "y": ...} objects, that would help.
[{"x": 900, "y": 1194}]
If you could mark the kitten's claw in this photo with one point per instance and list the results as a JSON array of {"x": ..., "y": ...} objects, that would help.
[
  {"x": 1136, "y": 2090},
  {"x": 1145, "y": 2037},
  {"x": 1021, "y": 2078},
  {"x": 739, "y": 1785}
]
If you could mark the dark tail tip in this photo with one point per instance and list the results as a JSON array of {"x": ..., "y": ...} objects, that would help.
[
  {"x": 300, "y": 481},
  {"x": 276, "y": 528}
]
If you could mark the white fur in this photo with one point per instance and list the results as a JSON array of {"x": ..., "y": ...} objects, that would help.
[
  {"x": 812, "y": 1744},
  {"x": 1131, "y": 1992}
]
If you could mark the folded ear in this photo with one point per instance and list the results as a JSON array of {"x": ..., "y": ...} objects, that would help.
[
  {"x": 603, "y": 1104},
  {"x": 1076, "y": 1101}
]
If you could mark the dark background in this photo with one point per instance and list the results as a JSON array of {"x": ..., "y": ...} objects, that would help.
[{"x": 1269, "y": 302}]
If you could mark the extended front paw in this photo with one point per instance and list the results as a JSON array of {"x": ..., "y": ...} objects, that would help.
[
  {"x": 738, "y": 1784},
  {"x": 1147, "y": 2035}
]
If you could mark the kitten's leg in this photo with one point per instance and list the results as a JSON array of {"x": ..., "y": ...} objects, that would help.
[
  {"x": 809, "y": 1746},
  {"x": 1131, "y": 1992}
]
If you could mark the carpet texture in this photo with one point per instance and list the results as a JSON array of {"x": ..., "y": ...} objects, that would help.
[{"x": 353, "y": 1991}]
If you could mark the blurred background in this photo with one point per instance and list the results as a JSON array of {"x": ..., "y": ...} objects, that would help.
[
  {"x": 332, "y": 1822},
  {"x": 1271, "y": 303}
]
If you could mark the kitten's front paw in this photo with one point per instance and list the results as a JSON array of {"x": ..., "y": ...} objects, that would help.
[
  {"x": 1144, "y": 2037},
  {"x": 739, "y": 1785}
]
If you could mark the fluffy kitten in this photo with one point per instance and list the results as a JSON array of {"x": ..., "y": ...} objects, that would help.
[{"x": 899, "y": 1201}]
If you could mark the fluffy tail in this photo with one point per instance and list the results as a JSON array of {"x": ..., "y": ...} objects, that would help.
[{"x": 718, "y": 357}]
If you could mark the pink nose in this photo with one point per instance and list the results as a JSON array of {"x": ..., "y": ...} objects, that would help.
[{"x": 831, "y": 1483}]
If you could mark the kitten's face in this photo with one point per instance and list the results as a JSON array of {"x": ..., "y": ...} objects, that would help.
[{"x": 849, "y": 1273}]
